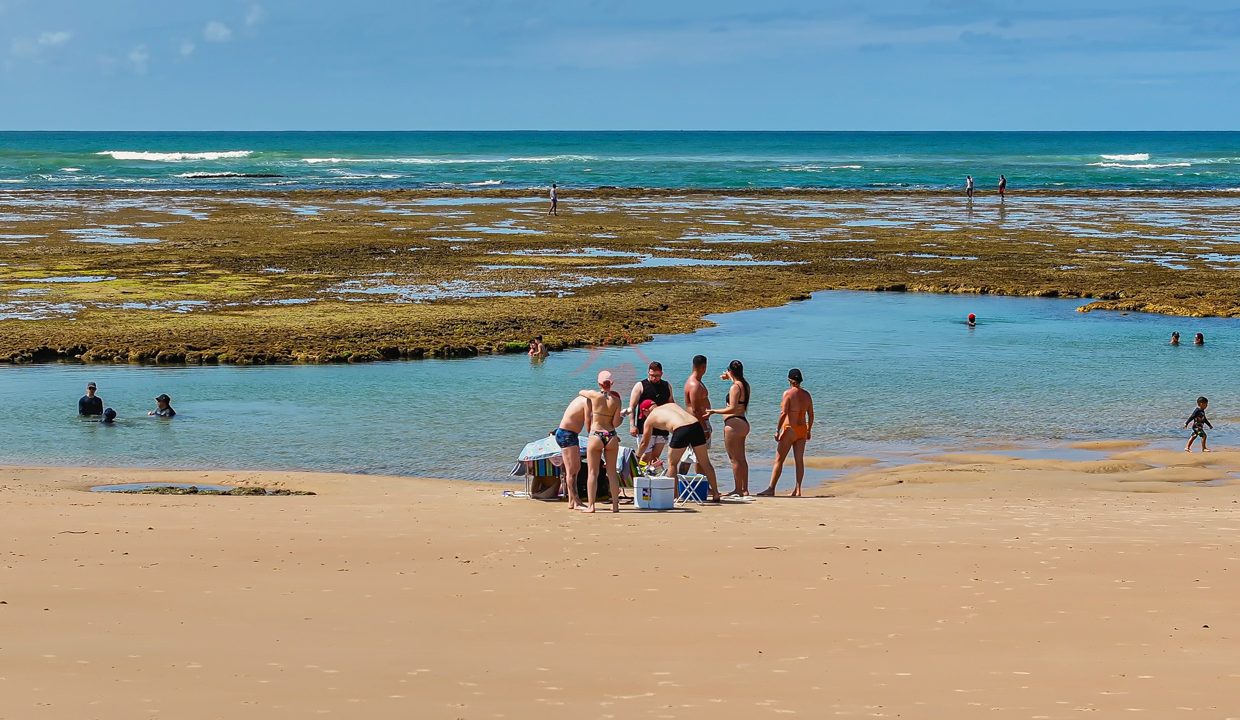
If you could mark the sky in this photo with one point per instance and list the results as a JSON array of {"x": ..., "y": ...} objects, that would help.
[{"x": 619, "y": 64}]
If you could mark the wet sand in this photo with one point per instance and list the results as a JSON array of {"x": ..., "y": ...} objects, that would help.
[
  {"x": 326, "y": 276},
  {"x": 963, "y": 587}
]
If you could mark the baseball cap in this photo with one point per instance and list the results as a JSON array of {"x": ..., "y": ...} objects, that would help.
[
  {"x": 795, "y": 374},
  {"x": 90, "y": 384},
  {"x": 163, "y": 398},
  {"x": 109, "y": 413},
  {"x": 604, "y": 377},
  {"x": 644, "y": 408}
]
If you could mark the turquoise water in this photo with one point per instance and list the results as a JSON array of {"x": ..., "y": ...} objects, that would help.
[
  {"x": 890, "y": 374},
  {"x": 376, "y": 160}
]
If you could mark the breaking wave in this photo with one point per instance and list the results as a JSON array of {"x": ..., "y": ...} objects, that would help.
[
  {"x": 1135, "y": 157},
  {"x": 174, "y": 156}
]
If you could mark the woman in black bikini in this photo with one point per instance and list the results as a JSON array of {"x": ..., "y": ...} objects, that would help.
[
  {"x": 736, "y": 425},
  {"x": 604, "y": 444}
]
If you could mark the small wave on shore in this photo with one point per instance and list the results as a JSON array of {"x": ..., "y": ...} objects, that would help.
[
  {"x": 451, "y": 161},
  {"x": 1134, "y": 157},
  {"x": 1140, "y": 166},
  {"x": 175, "y": 156}
]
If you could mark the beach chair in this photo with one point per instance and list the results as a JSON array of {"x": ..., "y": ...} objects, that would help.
[{"x": 689, "y": 487}]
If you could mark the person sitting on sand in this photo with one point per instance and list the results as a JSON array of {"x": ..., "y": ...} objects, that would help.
[
  {"x": 685, "y": 430},
  {"x": 537, "y": 349},
  {"x": 90, "y": 405},
  {"x": 568, "y": 437},
  {"x": 1199, "y": 339},
  {"x": 1200, "y": 422},
  {"x": 163, "y": 407},
  {"x": 1175, "y": 338},
  {"x": 604, "y": 443},
  {"x": 736, "y": 426},
  {"x": 796, "y": 419}
]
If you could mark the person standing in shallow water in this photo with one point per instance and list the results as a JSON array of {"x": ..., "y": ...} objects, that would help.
[
  {"x": 555, "y": 201},
  {"x": 736, "y": 426},
  {"x": 90, "y": 405},
  {"x": 968, "y": 186},
  {"x": 1002, "y": 187},
  {"x": 796, "y": 419}
]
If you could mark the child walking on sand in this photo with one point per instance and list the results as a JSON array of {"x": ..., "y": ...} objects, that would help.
[{"x": 1199, "y": 421}]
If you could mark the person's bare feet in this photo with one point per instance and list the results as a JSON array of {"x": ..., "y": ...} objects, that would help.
[
  {"x": 734, "y": 493},
  {"x": 796, "y": 492},
  {"x": 1205, "y": 449},
  {"x": 615, "y": 506},
  {"x": 1188, "y": 450},
  {"x": 769, "y": 492},
  {"x": 587, "y": 508}
]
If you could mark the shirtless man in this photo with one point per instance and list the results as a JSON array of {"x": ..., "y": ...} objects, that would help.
[
  {"x": 657, "y": 390},
  {"x": 575, "y": 421},
  {"x": 697, "y": 397},
  {"x": 796, "y": 418},
  {"x": 686, "y": 431},
  {"x": 604, "y": 443}
]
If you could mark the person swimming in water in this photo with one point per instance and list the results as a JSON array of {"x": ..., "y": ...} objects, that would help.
[
  {"x": 1175, "y": 338},
  {"x": 736, "y": 426},
  {"x": 796, "y": 420},
  {"x": 163, "y": 407},
  {"x": 971, "y": 321},
  {"x": 1199, "y": 339},
  {"x": 604, "y": 443}
]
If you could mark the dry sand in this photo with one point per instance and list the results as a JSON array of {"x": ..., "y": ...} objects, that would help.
[{"x": 1032, "y": 589}]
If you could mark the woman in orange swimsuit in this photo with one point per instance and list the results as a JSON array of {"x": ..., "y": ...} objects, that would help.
[{"x": 796, "y": 418}]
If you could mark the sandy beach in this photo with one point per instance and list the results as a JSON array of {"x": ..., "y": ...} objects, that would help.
[{"x": 966, "y": 586}]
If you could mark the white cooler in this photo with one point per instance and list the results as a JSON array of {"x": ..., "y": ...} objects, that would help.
[{"x": 654, "y": 493}]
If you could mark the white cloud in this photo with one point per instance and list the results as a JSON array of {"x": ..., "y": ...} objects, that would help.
[
  {"x": 188, "y": 48},
  {"x": 255, "y": 15},
  {"x": 216, "y": 31},
  {"x": 55, "y": 39},
  {"x": 34, "y": 48},
  {"x": 138, "y": 58}
]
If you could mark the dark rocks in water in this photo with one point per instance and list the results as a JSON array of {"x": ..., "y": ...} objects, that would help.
[{"x": 195, "y": 490}]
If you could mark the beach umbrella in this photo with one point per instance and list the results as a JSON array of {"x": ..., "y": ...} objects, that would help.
[{"x": 545, "y": 448}]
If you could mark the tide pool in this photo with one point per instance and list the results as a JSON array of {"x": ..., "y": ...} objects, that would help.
[{"x": 891, "y": 374}]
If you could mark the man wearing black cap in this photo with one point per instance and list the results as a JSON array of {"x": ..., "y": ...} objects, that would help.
[
  {"x": 89, "y": 405},
  {"x": 163, "y": 407},
  {"x": 796, "y": 418}
]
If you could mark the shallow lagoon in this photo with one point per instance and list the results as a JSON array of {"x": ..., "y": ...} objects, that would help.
[{"x": 892, "y": 375}]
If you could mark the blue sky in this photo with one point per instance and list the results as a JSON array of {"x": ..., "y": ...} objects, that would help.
[{"x": 619, "y": 64}]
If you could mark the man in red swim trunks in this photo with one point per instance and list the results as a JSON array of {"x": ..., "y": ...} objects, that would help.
[{"x": 796, "y": 417}]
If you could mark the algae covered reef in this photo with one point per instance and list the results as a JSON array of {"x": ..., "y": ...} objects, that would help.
[{"x": 336, "y": 276}]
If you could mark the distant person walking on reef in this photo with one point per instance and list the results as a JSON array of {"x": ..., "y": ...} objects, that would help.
[
  {"x": 968, "y": 186},
  {"x": 555, "y": 201},
  {"x": 1002, "y": 187}
]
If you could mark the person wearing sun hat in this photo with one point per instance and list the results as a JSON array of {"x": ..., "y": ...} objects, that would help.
[
  {"x": 604, "y": 443},
  {"x": 163, "y": 407}
]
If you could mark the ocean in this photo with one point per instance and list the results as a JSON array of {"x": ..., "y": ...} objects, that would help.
[{"x": 691, "y": 159}]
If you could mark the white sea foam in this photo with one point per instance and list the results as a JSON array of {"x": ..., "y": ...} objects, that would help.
[
  {"x": 485, "y": 182},
  {"x": 175, "y": 156},
  {"x": 450, "y": 161},
  {"x": 1135, "y": 157},
  {"x": 71, "y": 169},
  {"x": 845, "y": 167},
  {"x": 1140, "y": 166}
]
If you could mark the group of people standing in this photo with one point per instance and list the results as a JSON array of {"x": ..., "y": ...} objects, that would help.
[
  {"x": 90, "y": 406},
  {"x": 658, "y": 421},
  {"x": 969, "y": 187}
]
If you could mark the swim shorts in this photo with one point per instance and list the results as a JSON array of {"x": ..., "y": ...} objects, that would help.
[
  {"x": 566, "y": 438},
  {"x": 1198, "y": 432},
  {"x": 691, "y": 435}
]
